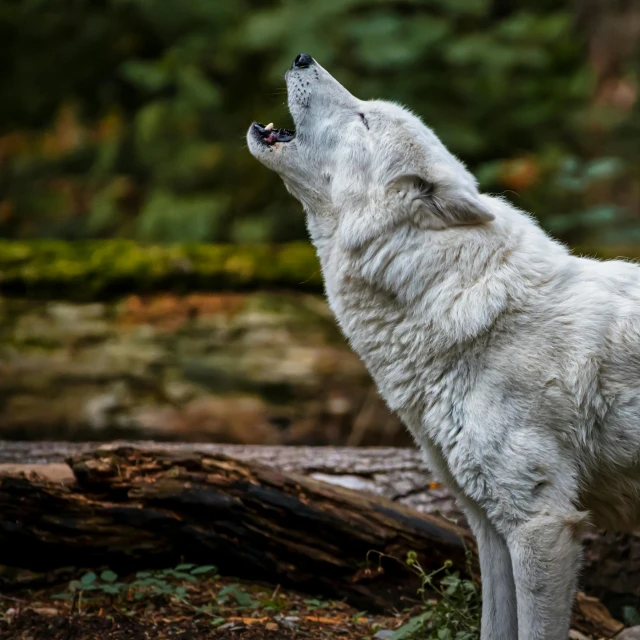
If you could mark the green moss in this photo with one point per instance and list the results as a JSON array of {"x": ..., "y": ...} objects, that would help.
[{"x": 98, "y": 269}]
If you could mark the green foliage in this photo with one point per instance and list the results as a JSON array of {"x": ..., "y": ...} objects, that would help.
[
  {"x": 146, "y": 583},
  {"x": 316, "y": 603},
  {"x": 454, "y": 612},
  {"x": 126, "y": 118},
  {"x": 630, "y": 616},
  {"x": 97, "y": 269},
  {"x": 168, "y": 584}
]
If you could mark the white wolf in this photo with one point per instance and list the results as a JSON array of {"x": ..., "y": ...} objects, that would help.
[{"x": 514, "y": 364}]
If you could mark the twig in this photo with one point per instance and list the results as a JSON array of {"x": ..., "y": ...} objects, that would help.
[{"x": 10, "y": 598}]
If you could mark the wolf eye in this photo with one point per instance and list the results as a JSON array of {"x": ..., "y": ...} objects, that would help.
[{"x": 364, "y": 120}]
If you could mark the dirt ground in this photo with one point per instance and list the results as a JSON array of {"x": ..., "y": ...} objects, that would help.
[
  {"x": 193, "y": 602},
  {"x": 252, "y": 612}
]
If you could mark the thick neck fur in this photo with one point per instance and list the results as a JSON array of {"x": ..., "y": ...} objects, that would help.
[{"x": 429, "y": 297}]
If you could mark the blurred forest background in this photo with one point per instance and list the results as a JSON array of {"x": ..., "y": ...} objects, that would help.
[
  {"x": 155, "y": 280},
  {"x": 126, "y": 118}
]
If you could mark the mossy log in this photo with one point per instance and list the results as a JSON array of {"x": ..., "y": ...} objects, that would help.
[
  {"x": 102, "y": 269},
  {"x": 131, "y": 507}
]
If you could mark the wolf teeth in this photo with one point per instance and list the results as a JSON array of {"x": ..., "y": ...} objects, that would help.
[{"x": 269, "y": 127}]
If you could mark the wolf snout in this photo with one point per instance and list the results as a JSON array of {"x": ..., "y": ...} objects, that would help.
[{"x": 302, "y": 61}]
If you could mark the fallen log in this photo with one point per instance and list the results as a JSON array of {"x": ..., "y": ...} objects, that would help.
[
  {"x": 73, "y": 514},
  {"x": 129, "y": 507}
]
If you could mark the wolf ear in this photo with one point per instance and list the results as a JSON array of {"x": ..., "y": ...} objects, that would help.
[{"x": 451, "y": 205}]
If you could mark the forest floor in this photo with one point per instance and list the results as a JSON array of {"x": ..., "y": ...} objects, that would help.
[
  {"x": 192, "y": 602},
  {"x": 170, "y": 604}
]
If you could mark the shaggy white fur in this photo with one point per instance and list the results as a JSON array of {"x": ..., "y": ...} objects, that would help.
[{"x": 513, "y": 363}]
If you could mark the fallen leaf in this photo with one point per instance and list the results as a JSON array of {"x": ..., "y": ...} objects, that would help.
[
  {"x": 324, "y": 620},
  {"x": 248, "y": 621}
]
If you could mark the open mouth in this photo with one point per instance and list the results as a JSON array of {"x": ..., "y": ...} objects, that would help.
[{"x": 269, "y": 136}]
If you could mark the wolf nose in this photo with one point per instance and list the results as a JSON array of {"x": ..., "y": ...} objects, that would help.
[{"x": 302, "y": 61}]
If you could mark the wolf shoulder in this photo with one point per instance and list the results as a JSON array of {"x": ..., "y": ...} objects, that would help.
[{"x": 575, "y": 350}]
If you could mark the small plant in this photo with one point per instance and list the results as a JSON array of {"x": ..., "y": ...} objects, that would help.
[
  {"x": 276, "y": 602},
  {"x": 630, "y": 616},
  {"x": 242, "y": 598},
  {"x": 147, "y": 584},
  {"x": 316, "y": 603},
  {"x": 452, "y": 615}
]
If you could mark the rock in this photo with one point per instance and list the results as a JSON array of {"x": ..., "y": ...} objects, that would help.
[
  {"x": 383, "y": 634},
  {"x": 632, "y": 633},
  {"x": 574, "y": 634}
]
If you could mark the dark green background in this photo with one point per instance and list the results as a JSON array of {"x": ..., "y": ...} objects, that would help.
[{"x": 126, "y": 118}]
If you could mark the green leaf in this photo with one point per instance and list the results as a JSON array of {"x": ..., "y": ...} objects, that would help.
[
  {"x": 414, "y": 625},
  {"x": 207, "y": 568},
  {"x": 316, "y": 603},
  {"x": 108, "y": 576},
  {"x": 88, "y": 579},
  {"x": 452, "y": 582},
  {"x": 112, "y": 589},
  {"x": 240, "y": 596},
  {"x": 182, "y": 575}
]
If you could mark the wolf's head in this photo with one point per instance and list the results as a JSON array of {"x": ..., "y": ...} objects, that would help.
[{"x": 363, "y": 167}]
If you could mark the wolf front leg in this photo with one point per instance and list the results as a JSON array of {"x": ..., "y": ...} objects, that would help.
[
  {"x": 546, "y": 555},
  {"x": 499, "y": 619}
]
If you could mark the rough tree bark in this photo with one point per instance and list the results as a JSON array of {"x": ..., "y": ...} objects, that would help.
[{"x": 129, "y": 507}]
